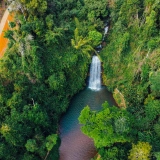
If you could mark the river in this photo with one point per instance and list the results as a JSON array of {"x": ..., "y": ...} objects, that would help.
[{"x": 74, "y": 144}]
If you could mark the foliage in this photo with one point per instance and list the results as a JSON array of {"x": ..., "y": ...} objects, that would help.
[
  {"x": 46, "y": 63},
  {"x": 109, "y": 154},
  {"x": 106, "y": 127},
  {"x": 140, "y": 151},
  {"x": 131, "y": 63},
  {"x": 96, "y": 37},
  {"x": 81, "y": 43},
  {"x": 95, "y": 10},
  {"x": 31, "y": 145},
  {"x": 51, "y": 141},
  {"x": 154, "y": 80},
  {"x": 157, "y": 155},
  {"x": 39, "y": 74}
]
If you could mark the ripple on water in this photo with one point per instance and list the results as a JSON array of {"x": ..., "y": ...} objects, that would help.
[{"x": 74, "y": 144}]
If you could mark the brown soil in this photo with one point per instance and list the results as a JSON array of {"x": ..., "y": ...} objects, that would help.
[{"x": 4, "y": 25}]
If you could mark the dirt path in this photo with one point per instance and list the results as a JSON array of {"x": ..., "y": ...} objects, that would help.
[{"x": 4, "y": 25}]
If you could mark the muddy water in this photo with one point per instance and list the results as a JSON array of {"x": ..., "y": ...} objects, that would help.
[{"x": 74, "y": 144}]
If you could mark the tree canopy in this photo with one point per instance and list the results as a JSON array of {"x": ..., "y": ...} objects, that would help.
[{"x": 51, "y": 43}]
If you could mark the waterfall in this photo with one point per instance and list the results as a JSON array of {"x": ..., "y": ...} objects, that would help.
[
  {"x": 105, "y": 32},
  {"x": 95, "y": 74}
]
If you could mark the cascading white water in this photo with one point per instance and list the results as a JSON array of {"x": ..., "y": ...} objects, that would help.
[
  {"x": 95, "y": 74},
  {"x": 105, "y": 32}
]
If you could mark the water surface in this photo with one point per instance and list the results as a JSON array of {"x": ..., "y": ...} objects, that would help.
[{"x": 74, "y": 144}]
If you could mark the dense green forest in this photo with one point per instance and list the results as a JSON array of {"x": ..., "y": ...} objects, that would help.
[
  {"x": 45, "y": 64},
  {"x": 51, "y": 43},
  {"x": 131, "y": 70}
]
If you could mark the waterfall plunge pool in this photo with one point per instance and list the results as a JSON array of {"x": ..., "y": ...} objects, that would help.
[{"x": 74, "y": 144}]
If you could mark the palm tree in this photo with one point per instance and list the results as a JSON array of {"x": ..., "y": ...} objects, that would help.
[{"x": 81, "y": 43}]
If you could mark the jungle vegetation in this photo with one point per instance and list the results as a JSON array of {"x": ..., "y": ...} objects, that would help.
[
  {"x": 50, "y": 47},
  {"x": 131, "y": 63},
  {"x": 45, "y": 64}
]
